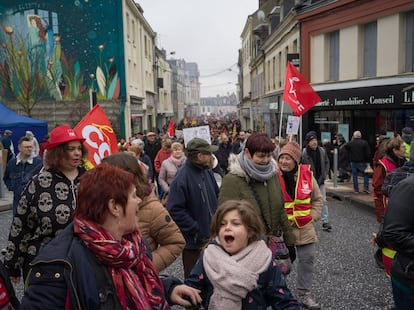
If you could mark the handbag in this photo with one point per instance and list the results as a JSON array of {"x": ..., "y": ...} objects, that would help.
[
  {"x": 275, "y": 243},
  {"x": 280, "y": 253},
  {"x": 368, "y": 169}
]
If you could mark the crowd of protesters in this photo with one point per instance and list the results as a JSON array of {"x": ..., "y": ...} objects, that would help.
[{"x": 206, "y": 202}]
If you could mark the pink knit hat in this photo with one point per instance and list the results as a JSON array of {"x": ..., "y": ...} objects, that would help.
[{"x": 292, "y": 149}]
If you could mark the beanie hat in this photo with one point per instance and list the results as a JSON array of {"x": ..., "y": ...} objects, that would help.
[
  {"x": 292, "y": 149},
  {"x": 407, "y": 131},
  {"x": 310, "y": 136},
  {"x": 61, "y": 135}
]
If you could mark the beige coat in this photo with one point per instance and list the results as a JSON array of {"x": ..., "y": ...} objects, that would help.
[{"x": 162, "y": 233}]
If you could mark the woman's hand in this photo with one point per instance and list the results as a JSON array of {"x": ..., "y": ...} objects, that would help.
[{"x": 185, "y": 296}]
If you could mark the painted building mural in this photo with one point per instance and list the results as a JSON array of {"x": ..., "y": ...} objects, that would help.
[{"x": 60, "y": 50}]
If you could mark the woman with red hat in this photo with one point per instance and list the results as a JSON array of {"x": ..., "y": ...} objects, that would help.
[{"x": 47, "y": 203}]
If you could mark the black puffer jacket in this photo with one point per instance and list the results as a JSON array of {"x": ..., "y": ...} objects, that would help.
[
  {"x": 396, "y": 176},
  {"x": 398, "y": 231}
]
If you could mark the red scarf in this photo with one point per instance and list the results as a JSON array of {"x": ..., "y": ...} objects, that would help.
[{"x": 136, "y": 281}]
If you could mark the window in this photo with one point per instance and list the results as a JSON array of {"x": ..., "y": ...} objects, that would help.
[
  {"x": 370, "y": 50},
  {"x": 133, "y": 31},
  {"x": 334, "y": 56},
  {"x": 145, "y": 46},
  {"x": 55, "y": 23},
  {"x": 279, "y": 71},
  {"x": 268, "y": 75},
  {"x": 128, "y": 27},
  {"x": 274, "y": 72},
  {"x": 409, "y": 39}
]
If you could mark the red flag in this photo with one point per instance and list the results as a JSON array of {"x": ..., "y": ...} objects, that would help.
[
  {"x": 101, "y": 140},
  {"x": 234, "y": 133},
  {"x": 170, "y": 129},
  {"x": 298, "y": 93}
]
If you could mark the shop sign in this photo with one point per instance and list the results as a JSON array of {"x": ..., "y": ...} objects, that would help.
[{"x": 385, "y": 95}]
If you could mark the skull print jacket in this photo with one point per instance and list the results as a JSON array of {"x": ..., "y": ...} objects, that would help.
[{"x": 45, "y": 208}]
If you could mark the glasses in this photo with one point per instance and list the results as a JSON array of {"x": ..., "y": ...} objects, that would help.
[{"x": 73, "y": 148}]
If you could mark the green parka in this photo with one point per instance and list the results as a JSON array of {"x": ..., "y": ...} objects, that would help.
[{"x": 235, "y": 186}]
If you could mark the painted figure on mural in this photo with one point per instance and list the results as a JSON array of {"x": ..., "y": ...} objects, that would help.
[{"x": 36, "y": 43}]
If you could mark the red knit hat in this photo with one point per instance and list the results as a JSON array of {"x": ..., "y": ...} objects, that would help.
[
  {"x": 61, "y": 135},
  {"x": 292, "y": 149}
]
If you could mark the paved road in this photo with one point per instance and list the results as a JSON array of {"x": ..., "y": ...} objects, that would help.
[{"x": 346, "y": 275}]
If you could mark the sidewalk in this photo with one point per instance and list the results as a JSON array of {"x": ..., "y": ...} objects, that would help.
[
  {"x": 6, "y": 200},
  {"x": 345, "y": 192}
]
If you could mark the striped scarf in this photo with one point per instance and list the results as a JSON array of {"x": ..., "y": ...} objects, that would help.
[{"x": 136, "y": 281}]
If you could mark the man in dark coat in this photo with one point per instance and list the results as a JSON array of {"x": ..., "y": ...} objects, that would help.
[
  {"x": 193, "y": 199},
  {"x": 359, "y": 157},
  {"x": 316, "y": 157}
]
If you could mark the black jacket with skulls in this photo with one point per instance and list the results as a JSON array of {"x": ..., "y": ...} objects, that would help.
[{"x": 45, "y": 208}]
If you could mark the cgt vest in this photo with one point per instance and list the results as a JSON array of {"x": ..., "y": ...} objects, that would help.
[
  {"x": 299, "y": 209},
  {"x": 387, "y": 253}
]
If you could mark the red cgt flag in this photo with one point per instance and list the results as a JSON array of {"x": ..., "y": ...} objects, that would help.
[
  {"x": 101, "y": 140},
  {"x": 170, "y": 129},
  {"x": 298, "y": 93}
]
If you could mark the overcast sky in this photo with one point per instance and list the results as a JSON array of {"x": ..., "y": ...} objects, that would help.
[{"x": 203, "y": 31}]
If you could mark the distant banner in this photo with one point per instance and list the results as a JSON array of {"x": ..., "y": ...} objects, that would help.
[
  {"x": 101, "y": 140},
  {"x": 202, "y": 132}
]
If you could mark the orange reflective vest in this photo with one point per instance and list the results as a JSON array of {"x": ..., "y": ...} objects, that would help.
[
  {"x": 299, "y": 209},
  {"x": 387, "y": 253}
]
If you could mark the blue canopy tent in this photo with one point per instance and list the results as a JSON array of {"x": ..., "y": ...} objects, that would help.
[{"x": 19, "y": 124}]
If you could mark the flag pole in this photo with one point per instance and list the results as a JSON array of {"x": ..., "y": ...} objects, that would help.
[
  {"x": 280, "y": 121},
  {"x": 300, "y": 132}
]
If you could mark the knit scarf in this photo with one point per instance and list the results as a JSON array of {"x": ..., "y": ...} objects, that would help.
[
  {"x": 398, "y": 161},
  {"x": 315, "y": 155},
  {"x": 233, "y": 276},
  {"x": 290, "y": 182},
  {"x": 136, "y": 281},
  {"x": 177, "y": 161},
  {"x": 260, "y": 173}
]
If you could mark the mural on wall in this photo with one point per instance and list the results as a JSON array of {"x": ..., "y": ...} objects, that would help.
[{"x": 60, "y": 50}]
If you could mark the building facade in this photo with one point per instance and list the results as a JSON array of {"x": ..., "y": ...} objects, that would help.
[
  {"x": 359, "y": 57},
  {"x": 270, "y": 38}
]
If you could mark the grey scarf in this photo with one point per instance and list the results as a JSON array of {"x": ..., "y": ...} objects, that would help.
[{"x": 260, "y": 173}]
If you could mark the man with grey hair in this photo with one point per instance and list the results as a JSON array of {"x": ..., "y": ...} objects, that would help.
[
  {"x": 144, "y": 157},
  {"x": 359, "y": 157}
]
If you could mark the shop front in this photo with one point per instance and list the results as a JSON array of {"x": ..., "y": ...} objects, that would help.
[{"x": 368, "y": 106}]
